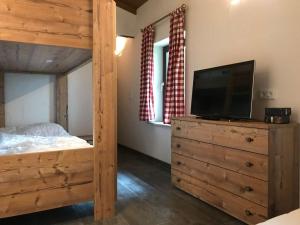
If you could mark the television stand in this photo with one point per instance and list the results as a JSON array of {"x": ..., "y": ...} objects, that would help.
[
  {"x": 216, "y": 118},
  {"x": 208, "y": 118},
  {"x": 247, "y": 169}
]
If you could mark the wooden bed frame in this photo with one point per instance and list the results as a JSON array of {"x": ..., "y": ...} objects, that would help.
[{"x": 39, "y": 181}]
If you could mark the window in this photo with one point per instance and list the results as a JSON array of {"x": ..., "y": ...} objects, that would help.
[
  {"x": 165, "y": 74},
  {"x": 161, "y": 59}
]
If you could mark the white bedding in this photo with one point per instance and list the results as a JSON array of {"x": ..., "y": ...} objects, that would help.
[
  {"x": 39, "y": 129},
  {"x": 38, "y": 137},
  {"x": 292, "y": 218}
]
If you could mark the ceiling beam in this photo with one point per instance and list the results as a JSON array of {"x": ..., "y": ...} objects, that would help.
[{"x": 127, "y": 6}]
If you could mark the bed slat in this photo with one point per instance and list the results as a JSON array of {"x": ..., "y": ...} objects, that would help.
[
  {"x": 45, "y": 180},
  {"x": 53, "y": 22},
  {"x": 30, "y": 202}
]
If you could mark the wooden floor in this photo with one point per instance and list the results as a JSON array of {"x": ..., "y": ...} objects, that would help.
[{"x": 145, "y": 197}]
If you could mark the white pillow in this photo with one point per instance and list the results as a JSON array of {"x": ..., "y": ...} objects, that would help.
[{"x": 43, "y": 130}]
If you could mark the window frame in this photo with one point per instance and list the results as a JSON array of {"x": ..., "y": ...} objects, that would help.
[{"x": 165, "y": 75}]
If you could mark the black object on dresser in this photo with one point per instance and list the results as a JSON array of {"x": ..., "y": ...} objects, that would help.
[{"x": 278, "y": 115}]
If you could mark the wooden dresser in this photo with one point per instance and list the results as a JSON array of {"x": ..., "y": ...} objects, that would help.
[{"x": 248, "y": 169}]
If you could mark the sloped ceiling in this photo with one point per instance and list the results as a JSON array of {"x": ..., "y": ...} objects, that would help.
[
  {"x": 20, "y": 57},
  {"x": 130, "y": 5}
]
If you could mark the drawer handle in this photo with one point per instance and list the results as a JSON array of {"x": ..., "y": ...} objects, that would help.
[
  {"x": 249, "y": 139},
  {"x": 178, "y": 146},
  {"x": 178, "y": 180},
  {"x": 178, "y": 128},
  {"x": 248, "y": 213},
  {"x": 248, "y": 189},
  {"x": 249, "y": 164},
  {"x": 178, "y": 163}
]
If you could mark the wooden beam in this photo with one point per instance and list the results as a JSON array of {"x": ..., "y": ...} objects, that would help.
[
  {"x": 62, "y": 100},
  {"x": 126, "y": 6},
  {"x": 2, "y": 100},
  {"x": 40, "y": 181},
  {"x": 56, "y": 22},
  {"x": 105, "y": 109}
]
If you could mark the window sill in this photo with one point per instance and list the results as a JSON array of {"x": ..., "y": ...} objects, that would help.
[{"x": 160, "y": 124}]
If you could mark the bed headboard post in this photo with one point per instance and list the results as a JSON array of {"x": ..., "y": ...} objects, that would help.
[
  {"x": 62, "y": 100},
  {"x": 105, "y": 108},
  {"x": 2, "y": 100}
]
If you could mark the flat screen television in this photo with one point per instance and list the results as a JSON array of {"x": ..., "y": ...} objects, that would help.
[{"x": 224, "y": 92}]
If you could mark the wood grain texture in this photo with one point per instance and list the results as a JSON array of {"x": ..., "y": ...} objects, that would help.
[
  {"x": 52, "y": 22},
  {"x": 245, "y": 138},
  {"x": 284, "y": 170},
  {"x": 2, "y": 100},
  {"x": 228, "y": 158},
  {"x": 30, "y": 202},
  {"x": 44, "y": 180},
  {"x": 71, "y": 24},
  {"x": 236, "y": 123},
  {"x": 105, "y": 109},
  {"x": 252, "y": 189},
  {"x": 242, "y": 209},
  {"x": 145, "y": 197},
  {"x": 32, "y": 58},
  {"x": 62, "y": 100}
]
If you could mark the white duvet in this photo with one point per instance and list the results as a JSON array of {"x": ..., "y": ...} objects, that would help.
[
  {"x": 38, "y": 137},
  {"x": 292, "y": 218}
]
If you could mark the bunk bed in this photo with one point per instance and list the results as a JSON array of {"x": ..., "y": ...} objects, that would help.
[{"x": 42, "y": 179}]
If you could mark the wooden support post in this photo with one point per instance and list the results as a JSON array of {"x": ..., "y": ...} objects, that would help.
[
  {"x": 2, "y": 100},
  {"x": 62, "y": 100},
  {"x": 105, "y": 108}
]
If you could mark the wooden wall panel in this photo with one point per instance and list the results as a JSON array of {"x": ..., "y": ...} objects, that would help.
[
  {"x": 2, "y": 100},
  {"x": 62, "y": 100},
  {"x": 32, "y": 58},
  {"x": 105, "y": 110},
  {"x": 51, "y": 22}
]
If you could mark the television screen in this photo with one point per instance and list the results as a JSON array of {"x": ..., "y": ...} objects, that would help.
[{"x": 224, "y": 92}]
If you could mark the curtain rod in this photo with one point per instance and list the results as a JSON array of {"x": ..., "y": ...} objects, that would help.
[{"x": 164, "y": 17}]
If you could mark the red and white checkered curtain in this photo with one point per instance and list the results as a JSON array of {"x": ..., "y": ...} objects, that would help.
[
  {"x": 174, "y": 96},
  {"x": 147, "y": 75}
]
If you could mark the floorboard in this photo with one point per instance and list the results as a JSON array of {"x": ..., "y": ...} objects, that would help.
[{"x": 145, "y": 197}]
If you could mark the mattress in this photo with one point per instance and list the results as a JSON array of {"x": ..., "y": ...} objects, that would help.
[
  {"x": 292, "y": 218},
  {"x": 37, "y": 138}
]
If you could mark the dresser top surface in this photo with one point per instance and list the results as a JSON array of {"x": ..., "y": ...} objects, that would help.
[{"x": 237, "y": 123}]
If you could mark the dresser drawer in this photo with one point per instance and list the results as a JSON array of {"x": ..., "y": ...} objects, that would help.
[
  {"x": 244, "y": 138},
  {"x": 253, "y": 189},
  {"x": 251, "y": 164},
  {"x": 242, "y": 209}
]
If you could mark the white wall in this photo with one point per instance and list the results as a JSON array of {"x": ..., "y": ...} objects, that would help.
[
  {"x": 126, "y": 23},
  {"x": 29, "y": 99},
  {"x": 80, "y": 83},
  {"x": 217, "y": 34},
  {"x": 150, "y": 139},
  {"x": 80, "y": 106}
]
